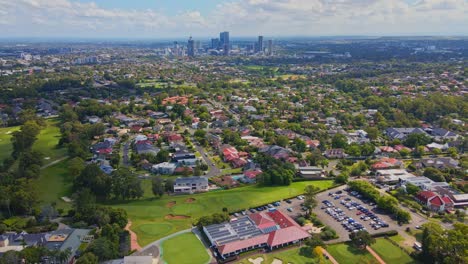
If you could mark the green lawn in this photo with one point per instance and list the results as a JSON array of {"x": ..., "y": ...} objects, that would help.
[
  {"x": 47, "y": 142},
  {"x": 5, "y": 144},
  {"x": 390, "y": 253},
  {"x": 184, "y": 249},
  {"x": 54, "y": 183},
  {"x": 150, "y": 211},
  {"x": 294, "y": 255},
  {"x": 345, "y": 253}
]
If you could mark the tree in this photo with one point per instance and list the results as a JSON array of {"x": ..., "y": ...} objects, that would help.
[
  {"x": 95, "y": 180},
  {"x": 282, "y": 141},
  {"x": 339, "y": 141},
  {"x": 434, "y": 174},
  {"x": 361, "y": 239},
  {"x": 76, "y": 166},
  {"x": 24, "y": 139},
  {"x": 417, "y": 139},
  {"x": 125, "y": 184},
  {"x": 169, "y": 185},
  {"x": 342, "y": 178},
  {"x": 157, "y": 187},
  {"x": 412, "y": 189},
  {"x": 103, "y": 249},
  {"x": 88, "y": 258},
  {"x": 299, "y": 145},
  {"x": 309, "y": 192}
]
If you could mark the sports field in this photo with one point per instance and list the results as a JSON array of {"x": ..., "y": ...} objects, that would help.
[
  {"x": 156, "y": 218},
  {"x": 390, "y": 253},
  {"x": 184, "y": 249}
]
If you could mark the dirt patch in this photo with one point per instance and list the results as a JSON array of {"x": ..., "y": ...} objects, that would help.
[
  {"x": 171, "y": 204},
  {"x": 133, "y": 237},
  {"x": 176, "y": 217},
  {"x": 190, "y": 200}
]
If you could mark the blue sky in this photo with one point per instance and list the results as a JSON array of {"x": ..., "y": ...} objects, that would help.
[{"x": 205, "y": 18}]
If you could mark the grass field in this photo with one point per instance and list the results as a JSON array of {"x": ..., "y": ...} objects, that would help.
[
  {"x": 5, "y": 144},
  {"x": 47, "y": 142},
  {"x": 149, "y": 214},
  {"x": 54, "y": 183},
  {"x": 293, "y": 256},
  {"x": 390, "y": 253},
  {"x": 345, "y": 253},
  {"x": 184, "y": 249}
]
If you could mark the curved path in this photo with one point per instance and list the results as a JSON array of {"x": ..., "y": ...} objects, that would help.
[
  {"x": 133, "y": 237},
  {"x": 376, "y": 256},
  {"x": 330, "y": 257}
]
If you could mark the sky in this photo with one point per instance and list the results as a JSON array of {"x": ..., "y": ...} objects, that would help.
[{"x": 164, "y": 19}]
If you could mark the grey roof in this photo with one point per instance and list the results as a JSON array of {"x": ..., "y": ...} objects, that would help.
[
  {"x": 403, "y": 132},
  {"x": 191, "y": 180}
]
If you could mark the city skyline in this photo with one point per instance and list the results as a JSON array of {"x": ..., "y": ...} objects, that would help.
[{"x": 246, "y": 18}]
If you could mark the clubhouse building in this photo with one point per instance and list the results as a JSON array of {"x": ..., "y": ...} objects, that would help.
[{"x": 268, "y": 230}]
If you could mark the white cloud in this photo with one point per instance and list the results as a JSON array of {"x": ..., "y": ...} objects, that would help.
[{"x": 242, "y": 17}]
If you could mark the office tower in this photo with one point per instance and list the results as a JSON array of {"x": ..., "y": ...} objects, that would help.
[
  {"x": 224, "y": 42},
  {"x": 215, "y": 43},
  {"x": 191, "y": 47},
  {"x": 197, "y": 46},
  {"x": 176, "y": 49},
  {"x": 260, "y": 44},
  {"x": 270, "y": 47}
]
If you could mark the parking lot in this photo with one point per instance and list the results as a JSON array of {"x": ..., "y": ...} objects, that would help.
[
  {"x": 347, "y": 212},
  {"x": 292, "y": 207}
]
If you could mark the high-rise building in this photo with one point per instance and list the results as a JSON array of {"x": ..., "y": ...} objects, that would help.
[
  {"x": 215, "y": 43},
  {"x": 191, "y": 47},
  {"x": 270, "y": 47},
  {"x": 224, "y": 42},
  {"x": 260, "y": 44}
]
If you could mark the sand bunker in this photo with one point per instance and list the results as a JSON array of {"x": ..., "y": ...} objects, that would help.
[
  {"x": 258, "y": 260},
  {"x": 277, "y": 261},
  {"x": 190, "y": 200},
  {"x": 176, "y": 217},
  {"x": 171, "y": 204}
]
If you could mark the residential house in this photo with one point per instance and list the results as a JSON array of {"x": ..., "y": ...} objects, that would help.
[
  {"x": 146, "y": 147},
  {"x": 182, "y": 155},
  {"x": 403, "y": 133},
  {"x": 276, "y": 152},
  {"x": 438, "y": 163},
  {"x": 441, "y": 134},
  {"x": 387, "y": 163},
  {"x": 165, "y": 168},
  {"x": 191, "y": 184},
  {"x": 335, "y": 154}
]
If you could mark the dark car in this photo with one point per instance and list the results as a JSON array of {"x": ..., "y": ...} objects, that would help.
[{"x": 288, "y": 201}]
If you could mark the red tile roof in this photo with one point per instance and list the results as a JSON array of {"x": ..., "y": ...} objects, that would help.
[
  {"x": 424, "y": 196},
  {"x": 262, "y": 220},
  {"x": 447, "y": 200},
  {"x": 436, "y": 201},
  {"x": 286, "y": 235},
  {"x": 241, "y": 244}
]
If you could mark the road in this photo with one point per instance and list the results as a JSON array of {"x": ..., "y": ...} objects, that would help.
[
  {"x": 126, "y": 148},
  {"x": 213, "y": 171}
]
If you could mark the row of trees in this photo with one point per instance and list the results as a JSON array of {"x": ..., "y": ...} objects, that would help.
[{"x": 385, "y": 202}]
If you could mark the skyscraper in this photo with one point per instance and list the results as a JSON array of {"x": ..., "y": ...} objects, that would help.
[
  {"x": 260, "y": 44},
  {"x": 215, "y": 43},
  {"x": 270, "y": 47},
  {"x": 224, "y": 42},
  {"x": 191, "y": 47}
]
